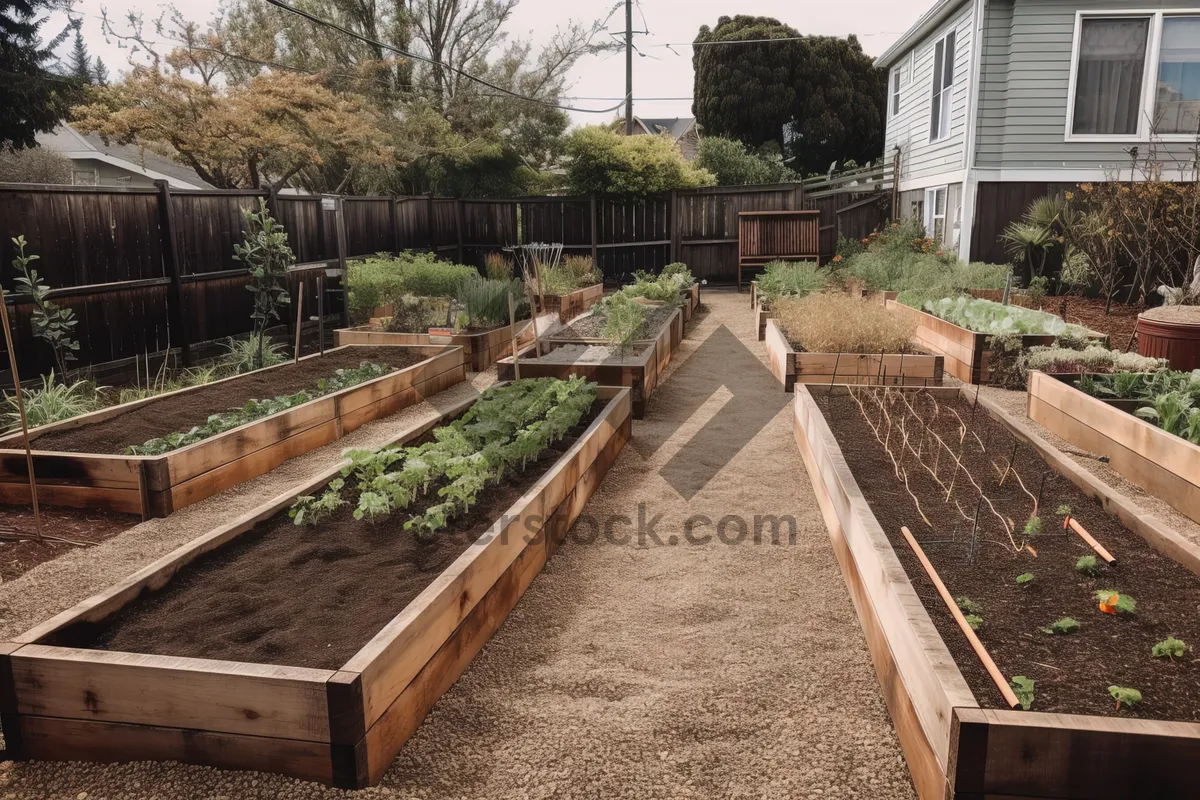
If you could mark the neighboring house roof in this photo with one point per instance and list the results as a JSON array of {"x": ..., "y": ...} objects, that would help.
[
  {"x": 676, "y": 128},
  {"x": 932, "y": 18},
  {"x": 70, "y": 143}
]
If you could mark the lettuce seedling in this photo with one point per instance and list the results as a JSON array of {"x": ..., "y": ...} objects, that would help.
[
  {"x": 1023, "y": 688},
  {"x": 1170, "y": 647}
]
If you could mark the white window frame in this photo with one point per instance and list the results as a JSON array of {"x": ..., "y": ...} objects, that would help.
[
  {"x": 895, "y": 84},
  {"x": 936, "y": 138},
  {"x": 1149, "y": 78},
  {"x": 930, "y": 211}
]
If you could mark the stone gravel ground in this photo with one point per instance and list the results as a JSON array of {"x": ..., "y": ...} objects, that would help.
[{"x": 639, "y": 670}]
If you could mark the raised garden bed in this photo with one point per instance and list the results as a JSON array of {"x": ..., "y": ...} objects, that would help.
[
  {"x": 638, "y": 369},
  {"x": 335, "y": 714},
  {"x": 1162, "y": 463},
  {"x": 570, "y": 306},
  {"x": 480, "y": 349},
  {"x": 790, "y": 367},
  {"x": 967, "y": 353},
  {"x": 758, "y": 307},
  {"x": 958, "y": 734},
  {"x": 81, "y": 462},
  {"x": 691, "y": 303}
]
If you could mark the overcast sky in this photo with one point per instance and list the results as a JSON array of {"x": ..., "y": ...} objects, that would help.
[{"x": 664, "y": 70}]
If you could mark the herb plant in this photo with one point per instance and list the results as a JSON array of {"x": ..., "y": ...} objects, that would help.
[
  {"x": 791, "y": 279},
  {"x": 1023, "y": 688},
  {"x": 52, "y": 402},
  {"x": 624, "y": 319}
]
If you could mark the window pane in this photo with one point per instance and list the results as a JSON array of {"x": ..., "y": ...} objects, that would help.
[
  {"x": 949, "y": 60},
  {"x": 896, "y": 92},
  {"x": 935, "y": 126},
  {"x": 1108, "y": 85},
  {"x": 1178, "y": 100},
  {"x": 944, "y": 118},
  {"x": 939, "y": 203}
]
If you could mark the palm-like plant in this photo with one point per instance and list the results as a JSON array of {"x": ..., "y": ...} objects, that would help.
[{"x": 1028, "y": 242}]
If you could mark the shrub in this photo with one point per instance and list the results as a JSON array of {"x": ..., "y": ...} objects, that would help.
[
  {"x": 678, "y": 268},
  {"x": 379, "y": 281},
  {"x": 602, "y": 161},
  {"x": 573, "y": 272},
  {"x": 838, "y": 323},
  {"x": 52, "y": 402},
  {"x": 794, "y": 278},
  {"x": 733, "y": 165},
  {"x": 486, "y": 301}
]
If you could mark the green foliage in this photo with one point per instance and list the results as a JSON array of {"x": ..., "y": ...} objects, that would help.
[
  {"x": 1088, "y": 565},
  {"x": 571, "y": 273},
  {"x": 381, "y": 280},
  {"x": 1038, "y": 286},
  {"x": 975, "y": 621},
  {"x": 310, "y": 510},
  {"x": 1174, "y": 412},
  {"x": 734, "y": 165},
  {"x": 245, "y": 355},
  {"x": 1024, "y": 578},
  {"x": 498, "y": 266},
  {"x": 624, "y": 319},
  {"x": 1062, "y": 627},
  {"x": 1125, "y": 696},
  {"x": 413, "y": 314},
  {"x": 35, "y": 98},
  {"x": 1125, "y": 603},
  {"x": 986, "y": 316},
  {"x": 486, "y": 301},
  {"x": 52, "y": 324},
  {"x": 52, "y": 402},
  {"x": 968, "y": 606},
  {"x": 1063, "y": 510},
  {"x": 678, "y": 271},
  {"x": 265, "y": 253},
  {"x": 1023, "y": 688},
  {"x": 601, "y": 161},
  {"x": 1033, "y": 526},
  {"x": 791, "y": 278},
  {"x": 1091, "y": 358},
  {"x": 508, "y": 428},
  {"x": 825, "y": 92},
  {"x": 257, "y": 409},
  {"x": 1170, "y": 647}
]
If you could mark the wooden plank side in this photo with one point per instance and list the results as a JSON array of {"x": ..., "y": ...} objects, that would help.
[
  {"x": 391, "y": 660},
  {"x": 781, "y": 358},
  {"x": 222, "y": 696},
  {"x": 50, "y": 739},
  {"x": 127, "y": 501},
  {"x": 75, "y": 469}
]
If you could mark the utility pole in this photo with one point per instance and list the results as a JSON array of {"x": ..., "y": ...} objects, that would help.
[{"x": 629, "y": 67}]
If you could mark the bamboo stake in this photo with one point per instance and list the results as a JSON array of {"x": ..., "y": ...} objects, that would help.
[
  {"x": 299, "y": 318},
  {"x": 12, "y": 363},
  {"x": 512, "y": 327},
  {"x": 537, "y": 339},
  {"x": 976, "y": 645},
  {"x": 1087, "y": 537}
]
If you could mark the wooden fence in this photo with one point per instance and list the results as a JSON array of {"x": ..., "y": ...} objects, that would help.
[{"x": 149, "y": 270}]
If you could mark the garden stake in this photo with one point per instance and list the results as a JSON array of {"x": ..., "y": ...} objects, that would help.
[
  {"x": 321, "y": 310},
  {"x": 12, "y": 363},
  {"x": 1087, "y": 537},
  {"x": 976, "y": 645},
  {"x": 299, "y": 318},
  {"x": 537, "y": 342},
  {"x": 512, "y": 327},
  {"x": 1037, "y": 502},
  {"x": 1011, "y": 456}
]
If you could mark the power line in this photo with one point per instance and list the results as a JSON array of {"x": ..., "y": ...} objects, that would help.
[{"x": 325, "y": 23}]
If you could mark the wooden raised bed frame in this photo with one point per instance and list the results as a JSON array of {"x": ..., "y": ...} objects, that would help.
[
  {"x": 790, "y": 367},
  {"x": 340, "y": 727},
  {"x": 1165, "y": 465},
  {"x": 569, "y": 306},
  {"x": 954, "y": 748},
  {"x": 967, "y": 354},
  {"x": 639, "y": 373},
  {"x": 480, "y": 350},
  {"x": 154, "y": 486}
]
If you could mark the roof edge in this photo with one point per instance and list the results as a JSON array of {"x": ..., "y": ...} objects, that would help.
[{"x": 932, "y": 18}]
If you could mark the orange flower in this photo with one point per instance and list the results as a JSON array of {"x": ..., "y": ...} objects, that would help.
[
  {"x": 1109, "y": 606},
  {"x": 837, "y": 259}
]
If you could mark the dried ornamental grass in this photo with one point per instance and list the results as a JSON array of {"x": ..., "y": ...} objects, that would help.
[{"x": 838, "y": 323}]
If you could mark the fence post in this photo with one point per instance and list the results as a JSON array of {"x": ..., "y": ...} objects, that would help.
[
  {"x": 674, "y": 223},
  {"x": 340, "y": 230},
  {"x": 394, "y": 221},
  {"x": 176, "y": 313},
  {"x": 431, "y": 224},
  {"x": 595, "y": 233},
  {"x": 458, "y": 226}
]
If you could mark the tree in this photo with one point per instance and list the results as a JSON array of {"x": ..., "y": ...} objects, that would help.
[
  {"x": 99, "y": 72},
  {"x": 251, "y": 135},
  {"x": 266, "y": 253},
  {"x": 733, "y": 165},
  {"x": 32, "y": 99},
  {"x": 605, "y": 162},
  {"x": 820, "y": 98},
  {"x": 80, "y": 63}
]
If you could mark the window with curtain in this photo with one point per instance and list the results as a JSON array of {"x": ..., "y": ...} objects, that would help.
[
  {"x": 1177, "y": 103},
  {"x": 1110, "y": 75},
  {"x": 943, "y": 87}
]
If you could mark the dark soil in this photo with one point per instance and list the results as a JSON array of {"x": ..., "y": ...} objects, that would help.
[
  {"x": 301, "y": 596},
  {"x": 183, "y": 412},
  {"x": 77, "y": 526},
  {"x": 592, "y": 325},
  {"x": 1072, "y": 672}
]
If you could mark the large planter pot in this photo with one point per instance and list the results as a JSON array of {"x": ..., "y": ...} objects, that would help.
[{"x": 1173, "y": 333}]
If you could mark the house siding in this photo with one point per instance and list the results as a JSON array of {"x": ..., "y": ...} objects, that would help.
[
  {"x": 1025, "y": 74},
  {"x": 909, "y": 128}
]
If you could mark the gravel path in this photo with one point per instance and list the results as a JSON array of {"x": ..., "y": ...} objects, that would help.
[{"x": 628, "y": 670}]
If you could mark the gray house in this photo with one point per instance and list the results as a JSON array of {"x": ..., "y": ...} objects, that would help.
[
  {"x": 97, "y": 163},
  {"x": 993, "y": 103}
]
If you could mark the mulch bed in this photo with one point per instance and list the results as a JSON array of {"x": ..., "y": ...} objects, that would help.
[
  {"x": 308, "y": 596},
  {"x": 1072, "y": 672},
  {"x": 86, "y": 526},
  {"x": 183, "y": 412}
]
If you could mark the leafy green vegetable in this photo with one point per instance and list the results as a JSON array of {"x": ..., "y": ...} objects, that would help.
[
  {"x": 1169, "y": 648},
  {"x": 1088, "y": 565},
  {"x": 1023, "y": 688},
  {"x": 986, "y": 316},
  {"x": 1125, "y": 695},
  {"x": 1062, "y": 627},
  {"x": 309, "y": 510},
  {"x": 1026, "y": 577}
]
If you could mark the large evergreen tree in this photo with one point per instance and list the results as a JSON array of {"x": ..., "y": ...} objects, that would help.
[
  {"x": 32, "y": 99},
  {"x": 80, "y": 63},
  {"x": 820, "y": 98}
]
